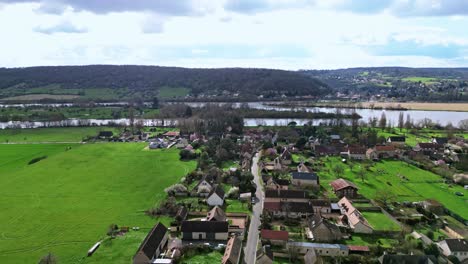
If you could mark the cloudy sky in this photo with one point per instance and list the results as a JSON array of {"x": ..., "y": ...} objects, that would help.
[{"x": 284, "y": 34}]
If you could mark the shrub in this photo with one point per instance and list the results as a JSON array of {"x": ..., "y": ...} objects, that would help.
[{"x": 35, "y": 160}]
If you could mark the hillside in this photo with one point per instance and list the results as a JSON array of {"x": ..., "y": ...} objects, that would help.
[
  {"x": 421, "y": 84},
  {"x": 108, "y": 82}
]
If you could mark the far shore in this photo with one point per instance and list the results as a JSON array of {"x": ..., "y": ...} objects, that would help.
[{"x": 423, "y": 106}]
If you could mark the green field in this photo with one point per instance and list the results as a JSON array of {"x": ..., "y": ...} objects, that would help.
[
  {"x": 381, "y": 222},
  {"x": 425, "y": 80},
  {"x": 370, "y": 240},
  {"x": 61, "y": 134},
  {"x": 64, "y": 203},
  {"x": 171, "y": 92},
  {"x": 421, "y": 184}
]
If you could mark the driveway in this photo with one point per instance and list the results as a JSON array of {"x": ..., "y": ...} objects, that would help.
[{"x": 250, "y": 251}]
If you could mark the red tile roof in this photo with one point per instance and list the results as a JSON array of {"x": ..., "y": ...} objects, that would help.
[
  {"x": 341, "y": 184},
  {"x": 272, "y": 206},
  {"x": 385, "y": 148},
  {"x": 275, "y": 235},
  {"x": 172, "y": 134},
  {"x": 358, "y": 248}
]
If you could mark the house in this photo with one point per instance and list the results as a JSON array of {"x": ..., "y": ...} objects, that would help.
[
  {"x": 358, "y": 249},
  {"x": 344, "y": 188},
  {"x": 455, "y": 247},
  {"x": 216, "y": 197},
  {"x": 329, "y": 250},
  {"x": 275, "y": 237},
  {"x": 385, "y": 151},
  {"x": 286, "y": 196},
  {"x": 440, "y": 140},
  {"x": 396, "y": 141},
  {"x": 303, "y": 168},
  {"x": 305, "y": 179},
  {"x": 152, "y": 246},
  {"x": 278, "y": 184},
  {"x": 407, "y": 259},
  {"x": 335, "y": 139},
  {"x": 321, "y": 206},
  {"x": 172, "y": 134},
  {"x": 353, "y": 218},
  {"x": 289, "y": 209},
  {"x": 216, "y": 214},
  {"x": 286, "y": 157},
  {"x": 105, "y": 134},
  {"x": 322, "y": 230},
  {"x": 427, "y": 148},
  {"x": 204, "y": 186},
  {"x": 205, "y": 230},
  {"x": 357, "y": 153},
  {"x": 310, "y": 257},
  {"x": 321, "y": 150},
  {"x": 245, "y": 196},
  {"x": 372, "y": 154},
  {"x": 233, "y": 251},
  {"x": 265, "y": 255}
]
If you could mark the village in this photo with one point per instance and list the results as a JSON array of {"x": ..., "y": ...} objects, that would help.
[{"x": 321, "y": 198}]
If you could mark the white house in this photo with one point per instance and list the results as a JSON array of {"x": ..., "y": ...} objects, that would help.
[
  {"x": 455, "y": 247},
  {"x": 216, "y": 197}
]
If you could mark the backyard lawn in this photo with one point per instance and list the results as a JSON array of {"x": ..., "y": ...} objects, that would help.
[
  {"x": 64, "y": 203},
  {"x": 212, "y": 257},
  {"x": 381, "y": 222},
  {"x": 406, "y": 182}
]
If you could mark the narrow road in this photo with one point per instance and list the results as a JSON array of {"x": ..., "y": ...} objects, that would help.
[{"x": 252, "y": 236}]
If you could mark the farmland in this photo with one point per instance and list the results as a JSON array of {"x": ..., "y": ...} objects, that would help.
[
  {"x": 406, "y": 182},
  {"x": 64, "y": 134},
  {"x": 64, "y": 203}
]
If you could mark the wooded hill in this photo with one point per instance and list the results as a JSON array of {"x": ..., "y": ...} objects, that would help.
[{"x": 148, "y": 79}]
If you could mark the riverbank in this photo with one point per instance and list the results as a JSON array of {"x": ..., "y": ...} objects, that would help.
[{"x": 403, "y": 106}]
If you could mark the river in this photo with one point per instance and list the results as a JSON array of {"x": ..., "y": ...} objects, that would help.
[{"x": 442, "y": 117}]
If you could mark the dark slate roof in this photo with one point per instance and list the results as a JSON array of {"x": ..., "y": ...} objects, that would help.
[
  {"x": 406, "y": 259},
  {"x": 286, "y": 194},
  {"x": 297, "y": 207},
  {"x": 218, "y": 190},
  {"x": 457, "y": 244},
  {"x": 152, "y": 240},
  {"x": 205, "y": 226},
  {"x": 441, "y": 140},
  {"x": 106, "y": 134},
  {"x": 429, "y": 145},
  {"x": 311, "y": 176},
  {"x": 397, "y": 139}
]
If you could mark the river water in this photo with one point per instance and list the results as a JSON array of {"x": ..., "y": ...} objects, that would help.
[{"x": 442, "y": 117}]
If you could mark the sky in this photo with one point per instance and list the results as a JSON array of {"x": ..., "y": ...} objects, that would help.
[{"x": 280, "y": 34}]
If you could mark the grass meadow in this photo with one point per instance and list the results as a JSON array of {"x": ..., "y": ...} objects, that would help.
[
  {"x": 60, "y": 134},
  {"x": 63, "y": 204}
]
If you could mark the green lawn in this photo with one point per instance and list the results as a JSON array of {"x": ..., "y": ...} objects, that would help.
[
  {"x": 380, "y": 222},
  {"x": 421, "y": 184},
  {"x": 425, "y": 80},
  {"x": 64, "y": 203},
  {"x": 212, "y": 257},
  {"x": 235, "y": 206},
  {"x": 171, "y": 92},
  {"x": 62, "y": 134},
  {"x": 370, "y": 240}
]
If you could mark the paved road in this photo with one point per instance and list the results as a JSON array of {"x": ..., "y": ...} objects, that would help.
[{"x": 252, "y": 237}]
